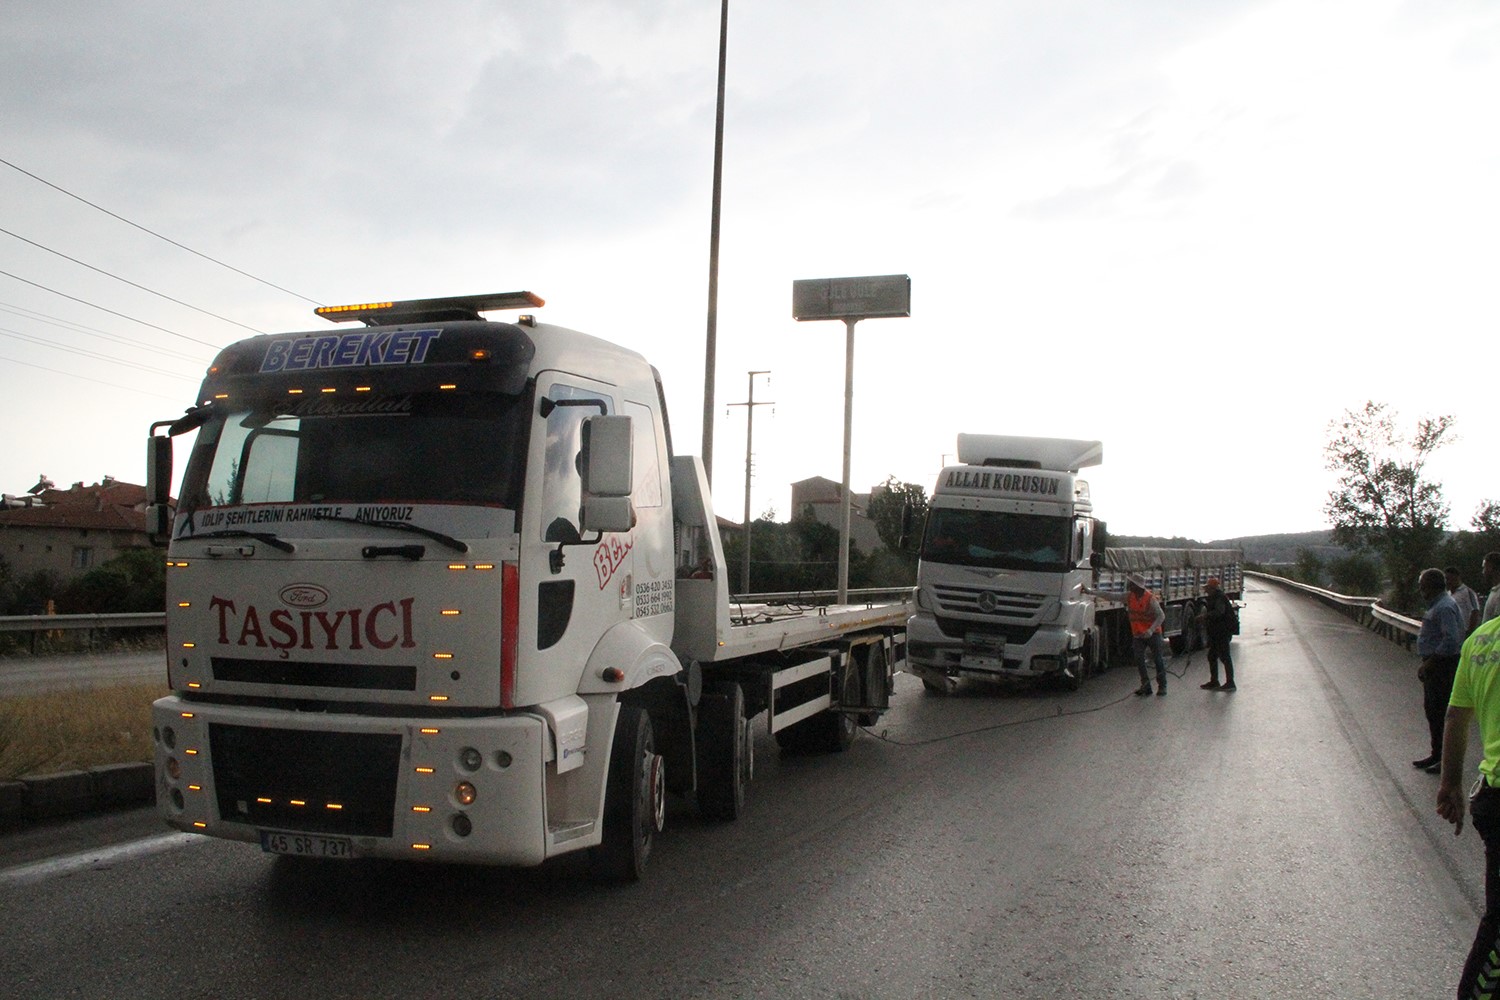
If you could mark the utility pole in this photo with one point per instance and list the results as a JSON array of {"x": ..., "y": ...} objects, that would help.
[{"x": 749, "y": 404}]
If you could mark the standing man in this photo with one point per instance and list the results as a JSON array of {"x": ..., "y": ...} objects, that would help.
[
  {"x": 1217, "y": 617},
  {"x": 1476, "y": 694},
  {"x": 1146, "y": 619},
  {"x": 1438, "y": 644},
  {"x": 1465, "y": 598},
  {"x": 1490, "y": 570}
]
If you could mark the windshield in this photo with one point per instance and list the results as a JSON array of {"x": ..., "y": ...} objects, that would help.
[
  {"x": 997, "y": 539},
  {"x": 420, "y": 448}
]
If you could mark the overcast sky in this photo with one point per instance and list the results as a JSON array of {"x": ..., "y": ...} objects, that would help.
[{"x": 1198, "y": 230}]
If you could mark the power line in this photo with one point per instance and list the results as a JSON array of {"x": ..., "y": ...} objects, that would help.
[
  {"x": 93, "y": 331},
  {"x": 112, "y": 385},
  {"x": 149, "y": 232},
  {"x": 91, "y": 305},
  {"x": 17, "y": 335},
  {"x": 127, "y": 281}
]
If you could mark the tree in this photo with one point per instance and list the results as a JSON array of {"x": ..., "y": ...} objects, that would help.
[
  {"x": 1309, "y": 567},
  {"x": 133, "y": 581},
  {"x": 888, "y": 503},
  {"x": 1383, "y": 500},
  {"x": 1487, "y": 519},
  {"x": 1355, "y": 574}
]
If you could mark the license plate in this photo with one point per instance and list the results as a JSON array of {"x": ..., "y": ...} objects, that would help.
[
  {"x": 983, "y": 653},
  {"x": 305, "y": 845}
]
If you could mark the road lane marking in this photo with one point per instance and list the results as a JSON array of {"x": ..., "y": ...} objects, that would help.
[{"x": 40, "y": 871}]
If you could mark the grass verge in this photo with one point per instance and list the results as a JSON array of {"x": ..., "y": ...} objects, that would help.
[{"x": 72, "y": 730}]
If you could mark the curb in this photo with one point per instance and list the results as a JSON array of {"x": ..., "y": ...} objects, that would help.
[{"x": 36, "y": 797}]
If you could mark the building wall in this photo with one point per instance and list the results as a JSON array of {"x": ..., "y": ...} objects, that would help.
[{"x": 68, "y": 553}]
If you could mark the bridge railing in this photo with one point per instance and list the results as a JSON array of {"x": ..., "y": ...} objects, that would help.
[
  {"x": 1388, "y": 624},
  {"x": 41, "y": 626}
]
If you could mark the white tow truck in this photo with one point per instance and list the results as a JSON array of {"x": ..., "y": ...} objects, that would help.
[
  {"x": 439, "y": 588},
  {"x": 1016, "y": 580}
]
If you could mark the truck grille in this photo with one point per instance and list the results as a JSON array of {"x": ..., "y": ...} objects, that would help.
[
  {"x": 295, "y": 779},
  {"x": 1014, "y": 635},
  {"x": 353, "y": 676},
  {"x": 988, "y": 601}
]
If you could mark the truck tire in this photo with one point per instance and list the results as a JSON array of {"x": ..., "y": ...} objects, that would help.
[
  {"x": 830, "y": 731},
  {"x": 724, "y": 752},
  {"x": 634, "y": 800},
  {"x": 876, "y": 680},
  {"x": 837, "y": 730}
]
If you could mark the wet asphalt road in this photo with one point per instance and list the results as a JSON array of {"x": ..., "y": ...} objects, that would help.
[{"x": 1274, "y": 842}]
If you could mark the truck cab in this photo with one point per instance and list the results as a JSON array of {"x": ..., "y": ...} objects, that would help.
[{"x": 1006, "y": 560}]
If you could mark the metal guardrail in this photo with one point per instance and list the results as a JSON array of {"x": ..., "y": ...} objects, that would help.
[
  {"x": 1366, "y": 610},
  {"x": 157, "y": 619},
  {"x": 866, "y": 596},
  {"x": 49, "y": 623},
  {"x": 41, "y": 626}
]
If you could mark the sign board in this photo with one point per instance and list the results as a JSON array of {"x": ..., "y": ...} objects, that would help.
[{"x": 876, "y": 297}]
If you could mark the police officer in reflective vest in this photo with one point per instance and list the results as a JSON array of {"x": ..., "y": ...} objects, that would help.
[{"x": 1146, "y": 619}]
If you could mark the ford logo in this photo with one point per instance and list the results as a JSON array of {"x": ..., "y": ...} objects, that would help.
[{"x": 303, "y": 595}]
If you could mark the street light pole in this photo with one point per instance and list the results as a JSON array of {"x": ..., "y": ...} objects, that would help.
[{"x": 713, "y": 257}]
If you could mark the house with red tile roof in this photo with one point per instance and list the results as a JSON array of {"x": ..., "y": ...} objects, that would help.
[{"x": 69, "y": 532}]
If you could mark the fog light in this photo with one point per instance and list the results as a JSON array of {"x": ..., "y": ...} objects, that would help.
[
  {"x": 174, "y": 769},
  {"x": 465, "y": 793},
  {"x": 177, "y": 799},
  {"x": 462, "y": 825},
  {"x": 470, "y": 759},
  {"x": 169, "y": 737},
  {"x": 502, "y": 760}
]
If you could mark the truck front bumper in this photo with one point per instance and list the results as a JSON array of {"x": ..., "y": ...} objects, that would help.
[
  {"x": 332, "y": 785},
  {"x": 932, "y": 654}
]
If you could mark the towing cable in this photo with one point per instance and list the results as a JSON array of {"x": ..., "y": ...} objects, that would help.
[{"x": 1061, "y": 713}]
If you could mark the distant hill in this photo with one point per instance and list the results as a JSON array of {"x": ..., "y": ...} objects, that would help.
[{"x": 1262, "y": 549}]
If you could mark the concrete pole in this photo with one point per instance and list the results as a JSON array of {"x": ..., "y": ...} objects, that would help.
[{"x": 843, "y": 596}]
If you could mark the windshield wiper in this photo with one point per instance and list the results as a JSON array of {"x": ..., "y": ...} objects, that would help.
[
  {"x": 260, "y": 536},
  {"x": 455, "y": 544}
]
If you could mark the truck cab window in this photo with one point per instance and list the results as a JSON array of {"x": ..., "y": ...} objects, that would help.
[
  {"x": 409, "y": 449},
  {"x": 562, "y": 483}
]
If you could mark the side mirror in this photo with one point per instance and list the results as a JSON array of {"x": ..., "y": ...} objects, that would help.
[
  {"x": 908, "y": 515},
  {"x": 606, "y": 457},
  {"x": 158, "y": 488},
  {"x": 608, "y": 514},
  {"x": 158, "y": 470}
]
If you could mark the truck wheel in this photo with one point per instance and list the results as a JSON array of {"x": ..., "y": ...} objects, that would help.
[
  {"x": 723, "y": 745},
  {"x": 838, "y": 729},
  {"x": 876, "y": 680},
  {"x": 634, "y": 799},
  {"x": 830, "y": 731}
]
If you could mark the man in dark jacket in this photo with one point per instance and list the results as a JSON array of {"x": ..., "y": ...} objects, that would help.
[{"x": 1218, "y": 620}]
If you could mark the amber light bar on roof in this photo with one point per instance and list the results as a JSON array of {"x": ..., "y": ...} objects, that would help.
[{"x": 451, "y": 309}]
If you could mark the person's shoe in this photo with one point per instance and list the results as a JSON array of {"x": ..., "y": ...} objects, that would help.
[
  {"x": 1228, "y": 687},
  {"x": 1161, "y": 690},
  {"x": 1144, "y": 689},
  {"x": 1433, "y": 768},
  {"x": 1427, "y": 762},
  {"x": 1210, "y": 686}
]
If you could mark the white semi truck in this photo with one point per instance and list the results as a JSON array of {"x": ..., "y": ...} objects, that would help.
[
  {"x": 439, "y": 588},
  {"x": 1016, "y": 579}
]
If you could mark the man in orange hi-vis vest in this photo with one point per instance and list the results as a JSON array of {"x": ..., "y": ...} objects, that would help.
[{"x": 1146, "y": 618}]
